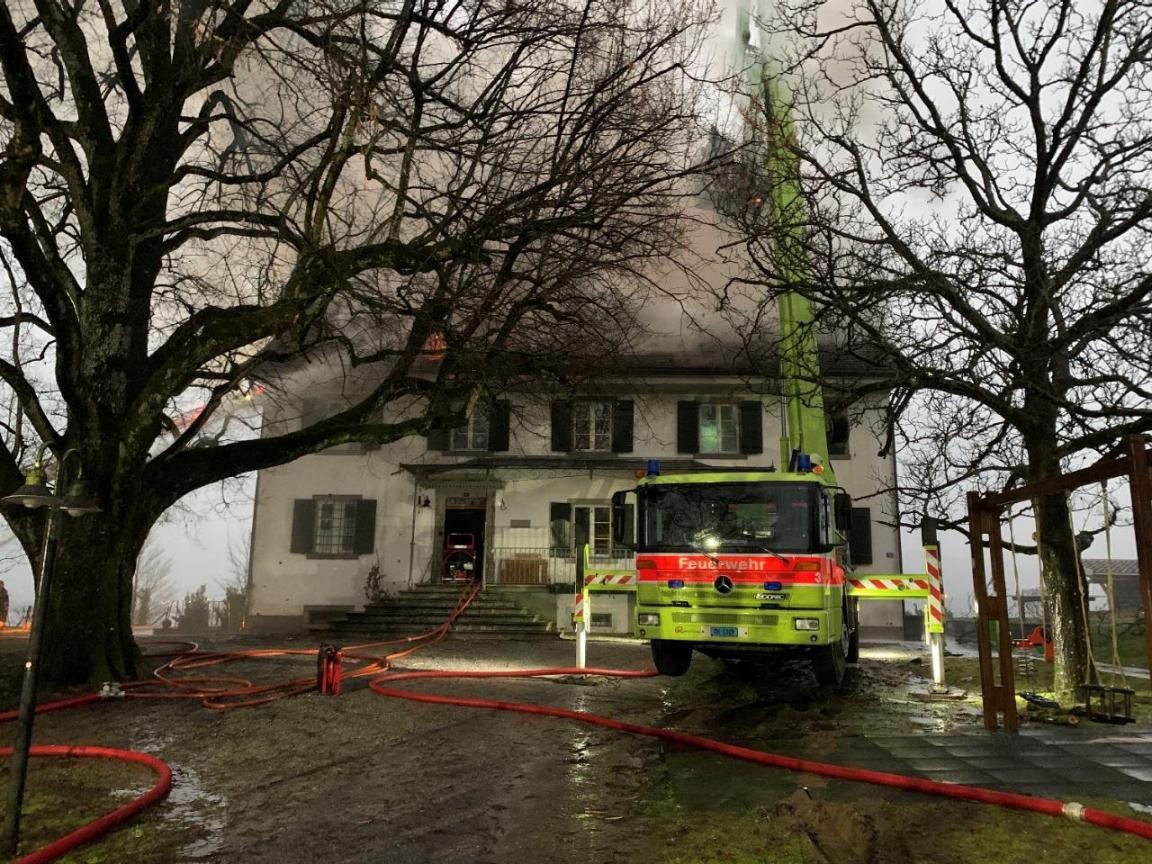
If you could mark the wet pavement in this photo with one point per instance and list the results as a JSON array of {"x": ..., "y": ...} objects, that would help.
[
  {"x": 414, "y": 783},
  {"x": 1043, "y": 762}
]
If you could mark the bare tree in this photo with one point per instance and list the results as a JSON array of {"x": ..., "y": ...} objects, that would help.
[
  {"x": 152, "y": 589},
  {"x": 974, "y": 226},
  {"x": 199, "y": 199}
]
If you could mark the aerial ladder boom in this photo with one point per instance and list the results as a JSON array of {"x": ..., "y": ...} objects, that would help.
[{"x": 804, "y": 420}]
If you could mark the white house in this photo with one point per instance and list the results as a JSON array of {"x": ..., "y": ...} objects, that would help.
[
  {"x": 530, "y": 478},
  {"x": 525, "y": 483}
]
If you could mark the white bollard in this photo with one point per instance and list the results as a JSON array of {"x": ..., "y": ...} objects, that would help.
[{"x": 581, "y": 646}]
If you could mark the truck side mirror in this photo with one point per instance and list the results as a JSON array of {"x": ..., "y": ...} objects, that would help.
[{"x": 620, "y": 533}]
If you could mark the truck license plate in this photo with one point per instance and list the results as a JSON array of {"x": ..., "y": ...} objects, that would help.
[{"x": 728, "y": 632}]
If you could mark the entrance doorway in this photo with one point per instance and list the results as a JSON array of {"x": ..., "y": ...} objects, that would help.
[{"x": 464, "y": 521}]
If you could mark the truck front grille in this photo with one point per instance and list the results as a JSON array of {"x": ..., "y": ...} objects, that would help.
[{"x": 723, "y": 618}]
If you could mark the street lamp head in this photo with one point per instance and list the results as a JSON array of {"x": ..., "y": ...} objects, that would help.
[
  {"x": 78, "y": 502},
  {"x": 35, "y": 492}
]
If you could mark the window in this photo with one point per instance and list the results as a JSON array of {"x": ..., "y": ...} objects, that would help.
[
  {"x": 488, "y": 428},
  {"x": 762, "y": 516},
  {"x": 573, "y": 525},
  {"x": 592, "y": 426},
  {"x": 335, "y": 530},
  {"x": 333, "y": 526},
  {"x": 474, "y": 434},
  {"x": 719, "y": 428},
  {"x": 839, "y": 431},
  {"x": 594, "y": 527}
]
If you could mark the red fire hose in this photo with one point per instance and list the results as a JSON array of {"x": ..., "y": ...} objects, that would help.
[
  {"x": 1050, "y": 807},
  {"x": 223, "y": 693},
  {"x": 108, "y": 821}
]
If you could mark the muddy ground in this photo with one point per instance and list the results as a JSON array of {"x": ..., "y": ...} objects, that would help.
[{"x": 363, "y": 778}]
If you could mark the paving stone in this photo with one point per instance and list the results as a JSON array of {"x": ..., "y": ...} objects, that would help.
[
  {"x": 1020, "y": 776},
  {"x": 1142, "y": 774},
  {"x": 960, "y": 776}
]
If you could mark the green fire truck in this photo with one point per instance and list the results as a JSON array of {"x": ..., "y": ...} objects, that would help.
[{"x": 741, "y": 564}]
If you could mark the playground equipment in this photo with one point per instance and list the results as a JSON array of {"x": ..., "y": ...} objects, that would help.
[{"x": 986, "y": 516}]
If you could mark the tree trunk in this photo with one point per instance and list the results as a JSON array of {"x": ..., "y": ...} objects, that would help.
[
  {"x": 88, "y": 629},
  {"x": 1065, "y": 594}
]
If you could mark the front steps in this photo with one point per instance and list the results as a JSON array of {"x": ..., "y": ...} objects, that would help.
[{"x": 425, "y": 607}]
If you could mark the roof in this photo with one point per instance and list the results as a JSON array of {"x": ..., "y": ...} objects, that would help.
[
  {"x": 557, "y": 463},
  {"x": 713, "y": 359},
  {"x": 1098, "y": 567}
]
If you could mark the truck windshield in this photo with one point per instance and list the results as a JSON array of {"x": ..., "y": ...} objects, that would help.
[{"x": 715, "y": 518}]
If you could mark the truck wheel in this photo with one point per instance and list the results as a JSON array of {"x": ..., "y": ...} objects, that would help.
[
  {"x": 829, "y": 662},
  {"x": 854, "y": 640},
  {"x": 671, "y": 657}
]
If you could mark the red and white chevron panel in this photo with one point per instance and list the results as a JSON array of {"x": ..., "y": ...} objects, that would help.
[
  {"x": 894, "y": 585},
  {"x": 578, "y": 609},
  {"x": 935, "y": 590},
  {"x": 623, "y": 580}
]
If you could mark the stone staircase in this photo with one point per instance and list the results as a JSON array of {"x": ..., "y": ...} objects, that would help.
[{"x": 422, "y": 608}]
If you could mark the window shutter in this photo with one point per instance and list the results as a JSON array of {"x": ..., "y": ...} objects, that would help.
[
  {"x": 365, "y": 540},
  {"x": 839, "y": 430},
  {"x": 559, "y": 520},
  {"x": 860, "y": 536},
  {"x": 751, "y": 427},
  {"x": 499, "y": 422},
  {"x": 583, "y": 528},
  {"x": 687, "y": 427},
  {"x": 622, "y": 426},
  {"x": 629, "y": 524},
  {"x": 303, "y": 524},
  {"x": 562, "y": 427},
  {"x": 438, "y": 439}
]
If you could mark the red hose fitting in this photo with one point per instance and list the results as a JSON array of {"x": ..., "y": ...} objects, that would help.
[{"x": 328, "y": 662}]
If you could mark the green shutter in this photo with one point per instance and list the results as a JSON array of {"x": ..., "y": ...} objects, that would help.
[
  {"x": 751, "y": 427},
  {"x": 559, "y": 522},
  {"x": 622, "y": 424},
  {"x": 860, "y": 536},
  {"x": 364, "y": 542},
  {"x": 499, "y": 422},
  {"x": 303, "y": 525},
  {"x": 582, "y": 527},
  {"x": 687, "y": 427},
  {"x": 562, "y": 427},
  {"x": 438, "y": 439}
]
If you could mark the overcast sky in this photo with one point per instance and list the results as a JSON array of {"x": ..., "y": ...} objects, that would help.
[{"x": 195, "y": 536}]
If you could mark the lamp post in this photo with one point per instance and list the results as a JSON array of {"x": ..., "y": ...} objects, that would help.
[{"x": 36, "y": 493}]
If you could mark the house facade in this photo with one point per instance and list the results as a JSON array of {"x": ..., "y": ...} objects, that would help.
[{"x": 510, "y": 497}]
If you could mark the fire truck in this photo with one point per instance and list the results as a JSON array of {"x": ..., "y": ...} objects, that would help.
[
  {"x": 754, "y": 563},
  {"x": 740, "y": 564}
]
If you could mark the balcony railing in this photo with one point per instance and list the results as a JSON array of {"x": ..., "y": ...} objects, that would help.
[{"x": 542, "y": 565}]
